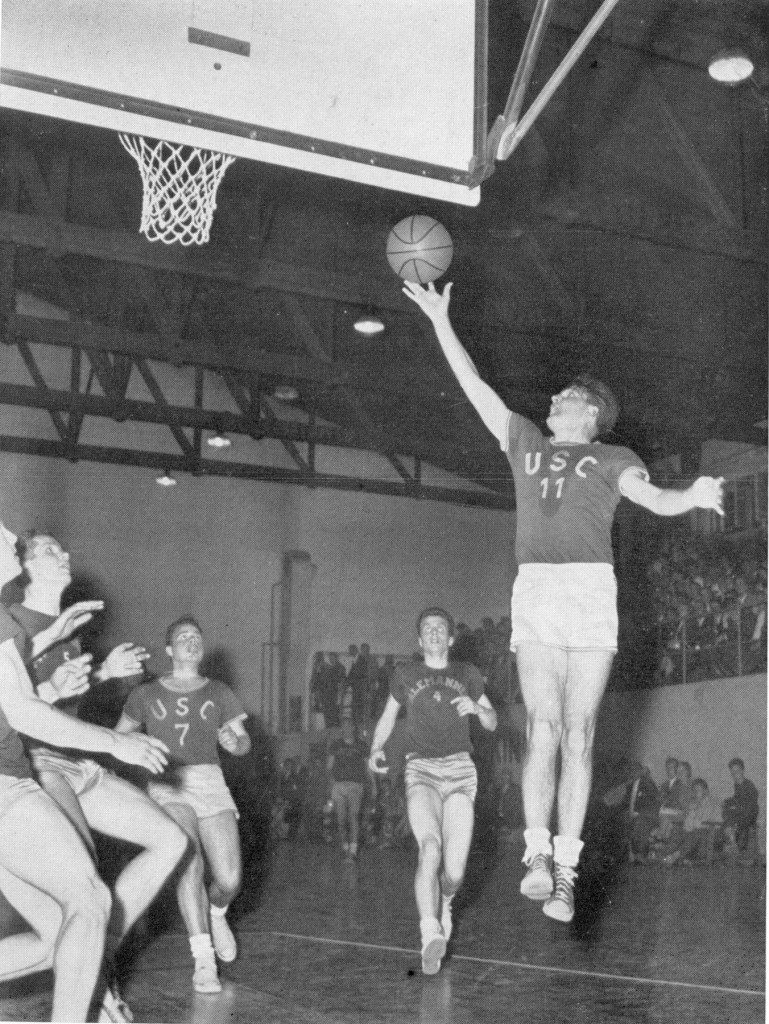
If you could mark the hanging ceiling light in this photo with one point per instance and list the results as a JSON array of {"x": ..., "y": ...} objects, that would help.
[
  {"x": 369, "y": 323},
  {"x": 165, "y": 480},
  {"x": 730, "y": 66},
  {"x": 219, "y": 440},
  {"x": 286, "y": 393}
]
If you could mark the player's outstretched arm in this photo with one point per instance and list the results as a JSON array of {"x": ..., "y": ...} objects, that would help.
[
  {"x": 31, "y": 716},
  {"x": 382, "y": 730},
  {"x": 705, "y": 492},
  {"x": 487, "y": 403}
]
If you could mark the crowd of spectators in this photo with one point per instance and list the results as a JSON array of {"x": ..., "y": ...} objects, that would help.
[
  {"x": 710, "y": 605},
  {"x": 676, "y": 820}
]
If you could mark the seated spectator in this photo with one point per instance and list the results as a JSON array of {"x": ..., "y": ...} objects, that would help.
[
  {"x": 740, "y": 812},
  {"x": 643, "y": 812},
  {"x": 670, "y": 796},
  {"x": 673, "y": 807},
  {"x": 698, "y": 828}
]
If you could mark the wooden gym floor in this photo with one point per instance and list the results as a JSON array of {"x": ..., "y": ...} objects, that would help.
[{"x": 327, "y": 941}]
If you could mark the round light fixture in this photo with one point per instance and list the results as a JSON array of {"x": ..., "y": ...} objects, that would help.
[
  {"x": 218, "y": 440},
  {"x": 730, "y": 66},
  {"x": 369, "y": 324},
  {"x": 286, "y": 393},
  {"x": 166, "y": 480}
]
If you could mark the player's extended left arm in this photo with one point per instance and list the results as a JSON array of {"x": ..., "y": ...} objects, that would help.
[{"x": 705, "y": 492}]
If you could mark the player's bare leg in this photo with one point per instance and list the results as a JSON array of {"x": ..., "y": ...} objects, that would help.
[
  {"x": 39, "y": 846},
  {"x": 542, "y": 674},
  {"x": 193, "y": 902},
  {"x": 458, "y": 820},
  {"x": 425, "y": 814},
  {"x": 118, "y": 809},
  {"x": 221, "y": 843},
  {"x": 588, "y": 674}
]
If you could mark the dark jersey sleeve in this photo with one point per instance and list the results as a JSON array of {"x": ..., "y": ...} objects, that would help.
[
  {"x": 134, "y": 707},
  {"x": 520, "y": 434},
  {"x": 231, "y": 704}
]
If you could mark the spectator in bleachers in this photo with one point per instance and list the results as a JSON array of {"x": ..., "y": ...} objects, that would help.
[
  {"x": 740, "y": 812},
  {"x": 698, "y": 828},
  {"x": 336, "y": 683},
  {"x": 324, "y": 688}
]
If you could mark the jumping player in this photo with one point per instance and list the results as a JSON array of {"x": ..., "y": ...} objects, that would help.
[
  {"x": 441, "y": 780},
  {"x": 90, "y": 796},
  {"x": 564, "y": 617},
  {"x": 192, "y": 714},
  {"x": 45, "y": 870}
]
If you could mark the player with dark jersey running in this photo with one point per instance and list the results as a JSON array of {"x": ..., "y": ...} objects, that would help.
[{"x": 441, "y": 780}]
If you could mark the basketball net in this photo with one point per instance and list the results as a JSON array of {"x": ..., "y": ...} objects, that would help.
[{"x": 180, "y": 185}]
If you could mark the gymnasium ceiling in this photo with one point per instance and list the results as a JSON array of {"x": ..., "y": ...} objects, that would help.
[{"x": 627, "y": 236}]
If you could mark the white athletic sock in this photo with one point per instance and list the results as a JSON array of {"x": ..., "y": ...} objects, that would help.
[
  {"x": 566, "y": 850},
  {"x": 428, "y": 926},
  {"x": 200, "y": 945},
  {"x": 537, "y": 841},
  {"x": 219, "y": 911}
]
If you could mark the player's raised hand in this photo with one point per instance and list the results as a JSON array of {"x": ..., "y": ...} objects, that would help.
[
  {"x": 137, "y": 748},
  {"x": 123, "y": 661},
  {"x": 70, "y": 620},
  {"x": 71, "y": 678},
  {"x": 434, "y": 304},
  {"x": 708, "y": 492},
  {"x": 377, "y": 762},
  {"x": 465, "y": 706}
]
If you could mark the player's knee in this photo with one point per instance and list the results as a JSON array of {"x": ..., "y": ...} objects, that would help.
[
  {"x": 577, "y": 741},
  {"x": 228, "y": 880},
  {"x": 543, "y": 732},
  {"x": 90, "y": 901},
  {"x": 173, "y": 843},
  {"x": 430, "y": 850}
]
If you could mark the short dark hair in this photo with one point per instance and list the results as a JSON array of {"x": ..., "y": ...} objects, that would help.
[
  {"x": 602, "y": 396},
  {"x": 438, "y": 613},
  {"x": 737, "y": 761},
  {"x": 27, "y": 542},
  {"x": 183, "y": 620}
]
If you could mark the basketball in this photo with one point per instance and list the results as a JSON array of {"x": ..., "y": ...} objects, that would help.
[{"x": 419, "y": 249}]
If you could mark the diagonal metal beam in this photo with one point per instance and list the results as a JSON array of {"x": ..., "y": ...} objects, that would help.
[
  {"x": 62, "y": 428},
  {"x": 708, "y": 189},
  {"x": 157, "y": 394}
]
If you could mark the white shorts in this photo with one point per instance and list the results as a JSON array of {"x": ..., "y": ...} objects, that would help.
[
  {"x": 82, "y": 774},
  {"x": 572, "y": 606},
  {"x": 200, "y": 786}
]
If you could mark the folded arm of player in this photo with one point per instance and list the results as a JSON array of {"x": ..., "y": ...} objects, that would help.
[{"x": 485, "y": 401}]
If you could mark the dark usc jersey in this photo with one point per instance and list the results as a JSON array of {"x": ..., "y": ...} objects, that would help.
[
  {"x": 566, "y": 495},
  {"x": 434, "y": 728}
]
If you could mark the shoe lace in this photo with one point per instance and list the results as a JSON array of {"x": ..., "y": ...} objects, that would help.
[
  {"x": 539, "y": 862},
  {"x": 564, "y": 883}
]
